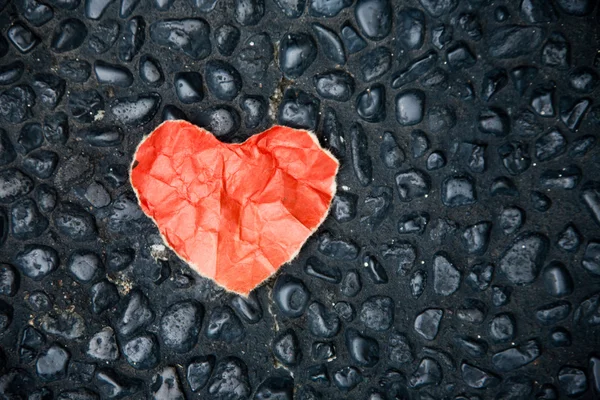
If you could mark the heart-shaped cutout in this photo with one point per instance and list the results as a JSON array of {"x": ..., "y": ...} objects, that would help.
[{"x": 234, "y": 212}]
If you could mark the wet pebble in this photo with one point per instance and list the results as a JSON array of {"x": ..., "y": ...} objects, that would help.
[
  {"x": 318, "y": 269},
  {"x": 286, "y": 348},
  {"x": 299, "y": 110},
  {"x": 374, "y": 18},
  {"x": 446, "y": 277},
  {"x": 410, "y": 29},
  {"x": 327, "y": 8},
  {"x": 141, "y": 352},
  {"x": 226, "y": 38},
  {"x": 516, "y": 357},
  {"x": 427, "y": 323},
  {"x": 591, "y": 258},
  {"x": 133, "y": 314},
  {"x": 73, "y": 221},
  {"x": 150, "y": 71},
  {"x": 180, "y": 325},
  {"x": 329, "y": 42},
  {"x": 255, "y": 56},
  {"x": 68, "y": 35},
  {"x": 370, "y": 104},
  {"x": 113, "y": 385},
  {"x": 460, "y": 56},
  {"x": 85, "y": 106},
  {"x": 415, "y": 69},
  {"x": 572, "y": 381},
  {"x": 458, "y": 191},
  {"x": 427, "y": 373},
  {"x": 511, "y": 41},
  {"x": 321, "y": 322},
  {"x": 26, "y": 220},
  {"x": 254, "y": 109},
  {"x": 550, "y": 314},
  {"x": 230, "y": 379},
  {"x": 73, "y": 70},
  {"x": 16, "y": 103},
  {"x": 136, "y": 110},
  {"x": 276, "y": 387},
  {"x": 36, "y": 261},
  {"x": 297, "y": 51},
  {"x": 334, "y": 85},
  {"x": 569, "y": 238},
  {"x": 222, "y": 121},
  {"x": 199, "y": 370},
  {"x": 223, "y": 325},
  {"x": 248, "y": 308},
  {"x": 104, "y": 35},
  {"x": 363, "y": 350},
  {"x": 377, "y": 313},
  {"x": 103, "y": 345},
  {"x": 249, "y": 12},
  {"x": 166, "y": 385},
  {"x": 522, "y": 261},
  {"x": 413, "y": 223},
  {"x": 351, "y": 284},
  {"x": 192, "y": 36},
  {"x": 23, "y": 38},
  {"x": 412, "y": 184},
  {"x": 84, "y": 265},
  {"x": 410, "y": 107},
  {"x": 222, "y": 79},
  {"x": 104, "y": 296},
  {"x": 52, "y": 363},
  {"x": 112, "y": 74},
  {"x": 478, "y": 378},
  {"x": 352, "y": 40},
  {"x": 347, "y": 378}
]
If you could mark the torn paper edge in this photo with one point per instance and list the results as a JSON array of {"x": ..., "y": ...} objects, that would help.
[{"x": 195, "y": 267}]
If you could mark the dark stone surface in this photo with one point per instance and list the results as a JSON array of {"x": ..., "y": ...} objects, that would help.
[{"x": 461, "y": 256}]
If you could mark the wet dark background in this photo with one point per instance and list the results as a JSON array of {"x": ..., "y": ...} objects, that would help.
[{"x": 461, "y": 259}]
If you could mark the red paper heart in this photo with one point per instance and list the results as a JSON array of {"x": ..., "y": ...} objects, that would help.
[{"x": 234, "y": 212}]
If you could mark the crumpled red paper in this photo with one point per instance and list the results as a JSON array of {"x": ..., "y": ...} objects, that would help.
[{"x": 234, "y": 212}]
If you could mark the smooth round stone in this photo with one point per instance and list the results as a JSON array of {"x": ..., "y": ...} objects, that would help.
[
  {"x": 222, "y": 121},
  {"x": 22, "y": 37},
  {"x": 69, "y": 35},
  {"x": 334, "y": 85},
  {"x": 370, "y": 104},
  {"x": 249, "y": 12},
  {"x": 255, "y": 110},
  {"x": 37, "y": 261},
  {"x": 410, "y": 107},
  {"x": 180, "y": 325},
  {"x": 297, "y": 51},
  {"x": 557, "y": 280},
  {"x": 222, "y": 79},
  {"x": 171, "y": 112},
  {"x": 374, "y": 18},
  {"x": 142, "y": 352},
  {"x": 291, "y": 296},
  {"x": 135, "y": 111},
  {"x": 330, "y": 43},
  {"x": 188, "y": 87},
  {"x": 363, "y": 350},
  {"x": 112, "y": 74},
  {"x": 52, "y": 363},
  {"x": 150, "y": 71},
  {"x": 11, "y": 73},
  {"x": 226, "y": 38},
  {"x": 84, "y": 265}
]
